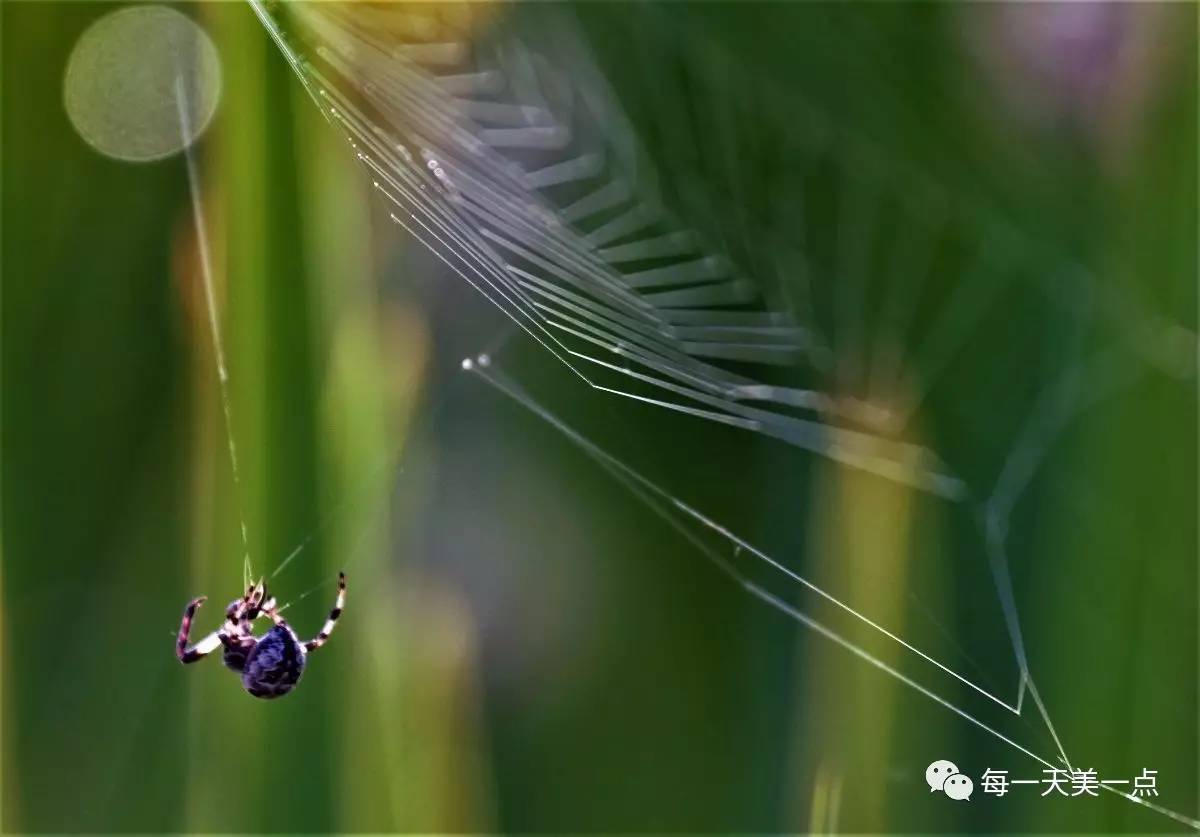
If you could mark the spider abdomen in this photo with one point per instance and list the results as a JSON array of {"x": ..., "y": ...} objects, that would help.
[{"x": 274, "y": 665}]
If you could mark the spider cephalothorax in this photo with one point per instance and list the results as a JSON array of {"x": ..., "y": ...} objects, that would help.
[{"x": 270, "y": 664}]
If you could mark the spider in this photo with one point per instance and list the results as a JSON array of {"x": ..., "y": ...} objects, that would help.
[{"x": 270, "y": 664}]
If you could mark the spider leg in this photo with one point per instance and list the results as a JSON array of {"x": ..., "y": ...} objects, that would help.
[
  {"x": 338, "y": 605},
  {"x": 202, "y": 648},
  {"x": 270, "y": 610}
]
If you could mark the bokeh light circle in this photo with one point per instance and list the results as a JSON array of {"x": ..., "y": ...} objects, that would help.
[{"x": 121, "y": 84}]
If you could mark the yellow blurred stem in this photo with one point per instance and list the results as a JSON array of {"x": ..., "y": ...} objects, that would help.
[{"x": 861, "y": 550}]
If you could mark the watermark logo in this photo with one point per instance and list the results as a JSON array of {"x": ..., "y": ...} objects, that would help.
[
  {"x": 943, "y": 775},
  {"x": 959, "y": 786}
]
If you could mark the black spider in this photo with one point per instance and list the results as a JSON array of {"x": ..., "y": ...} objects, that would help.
[{"x": 271, "y": 664}]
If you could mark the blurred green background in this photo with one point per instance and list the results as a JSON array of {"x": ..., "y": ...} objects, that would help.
[{"x": 526, "y": 647}]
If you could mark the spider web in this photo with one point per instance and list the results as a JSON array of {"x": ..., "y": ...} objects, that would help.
[{"x": 820, "y": 307}]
